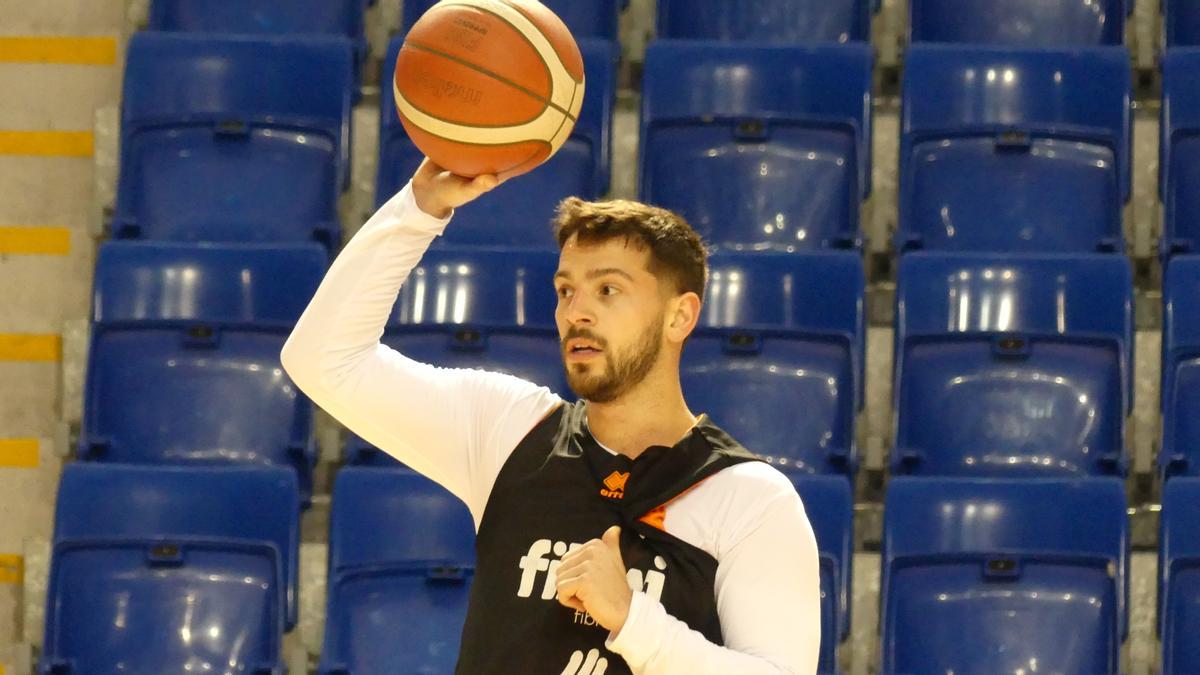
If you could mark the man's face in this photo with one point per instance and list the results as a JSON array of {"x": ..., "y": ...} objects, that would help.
[{"x": 610, "y": 317}]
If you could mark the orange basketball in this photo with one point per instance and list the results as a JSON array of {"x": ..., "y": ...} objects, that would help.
[{"x": 489, "y": 86}]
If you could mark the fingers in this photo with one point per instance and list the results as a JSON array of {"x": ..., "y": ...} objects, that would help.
[
  {"x": 485, "y": 182},
  {"x": 612, "y": 538},
  {"x": 428, "y": 169}
]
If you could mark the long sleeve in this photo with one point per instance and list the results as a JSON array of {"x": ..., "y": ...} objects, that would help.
[
  {"x": 768, "y": 599},
  {"x": 455, "y": 426}
]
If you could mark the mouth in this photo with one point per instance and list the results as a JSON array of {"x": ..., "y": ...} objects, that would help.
[{"x": 582, "y": 350}]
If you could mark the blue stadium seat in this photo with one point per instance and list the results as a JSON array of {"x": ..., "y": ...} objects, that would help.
[
  {"x": 144, "y": 566},
  {"x": 1181, "y": 23},
  {"x": 590, "y": 19},
  {"x": 1180, "y": 453},
  {"x": 261, "y": 17},
  {"x": 519, "y": 212},
  {"x": 1180, "y": 148},
  {"x": 829, "y": 503},
  {"x": 486, "y": 308},
  {"x": 991, "y": 576},
  {"x": 778, "y": 21},
  {"x": 184, "y": 357},
  {"x": 777, "y": 358},
  {"x": 401, "y": 553},
  {"x": 1179, "y": 577},
  {"x": 1014, "y": 150},
  {"x": 759, "y": 147},
  {"x": 1012, "y": 366},
  {"x": 234, "y": 138},
  {"x": 1025, "y": 23}
]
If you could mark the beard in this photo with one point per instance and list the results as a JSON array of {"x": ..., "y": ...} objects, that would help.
[{"x": 623, "y": 370}]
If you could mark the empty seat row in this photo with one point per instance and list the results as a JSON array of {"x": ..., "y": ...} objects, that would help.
[
  {"x": 1031, "y": 355},
  {"x": 1014, "y": 22},
  {"x": 1033, "y": 154},
  {"x": 754, "y": 165},
  {"x": 200, "y": 564}
]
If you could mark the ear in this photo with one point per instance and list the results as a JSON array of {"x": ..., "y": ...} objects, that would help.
[{"x": 683, "y": 313}]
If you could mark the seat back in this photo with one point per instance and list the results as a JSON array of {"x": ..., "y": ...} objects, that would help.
[
  {"x": 184, "y": 356},
  {"x": 779, "y": 334},
  {"x": 1179, "y": 576},
  {"x": 986, "y": 575},
  {"x": 829, "y": 503},
  {"x": 401, "y": 553},
  {"x": 236, "y": 505},
  {"x": 1181, "y": 368},
  {"x": 1012, "y": 366},
  {"x": 1181, "y": 23},
  {"x": 1026, "y": 23},
  {"x": 591, "y": 19},
  {"x": 759, "y": 147},
  {"x": 483, "y": 308},
  {"x": 234, "y": 138},
  {"x": 163, "y": 607},
  {"x": 1014, "y": 150},
  {"x": 518, "y": 213},
  {"x": 337, "y": 18},
  {"x": 1179, "y": 165},
  {"x": 781, "y": 21}
]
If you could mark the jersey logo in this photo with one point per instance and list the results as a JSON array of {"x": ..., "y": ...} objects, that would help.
[{"x": 614, "y": 485}]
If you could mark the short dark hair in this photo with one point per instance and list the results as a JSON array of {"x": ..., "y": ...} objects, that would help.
[{"x": 676, "y": 250}]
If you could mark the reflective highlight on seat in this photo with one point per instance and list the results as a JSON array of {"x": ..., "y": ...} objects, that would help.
[
  {"x": 759, "y": 147},
  {"x": 1012, "y": 366}
]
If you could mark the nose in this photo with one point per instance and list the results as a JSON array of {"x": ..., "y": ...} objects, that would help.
[{"x": 577, "y": 312}]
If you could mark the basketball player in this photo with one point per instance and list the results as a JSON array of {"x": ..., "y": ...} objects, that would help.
[{"x": 619, "y": 534}]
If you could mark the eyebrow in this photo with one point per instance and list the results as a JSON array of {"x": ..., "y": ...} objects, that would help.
[{"x": 595, "y": 274}]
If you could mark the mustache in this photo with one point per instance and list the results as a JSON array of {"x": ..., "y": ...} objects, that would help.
[{"x": 583, "y": 334}]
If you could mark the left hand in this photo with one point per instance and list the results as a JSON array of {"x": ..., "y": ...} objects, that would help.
[{"x": 592, "y": 579}]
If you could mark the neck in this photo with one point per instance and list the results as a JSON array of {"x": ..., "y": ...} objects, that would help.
[{"x": 652, "y": 413}]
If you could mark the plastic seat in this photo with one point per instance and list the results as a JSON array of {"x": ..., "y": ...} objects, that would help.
[
  {"x": 1012, "y": 366},
  {"x": 591, "y": 19},
  {"x": 401, "y": 553},
  {"x": 519, "y": 212},
  {"x": 777, "y": 357},
  {"x": 990, "y": 576},
  {"x": 1014, "y": 150},
  {"x": 1179, "y": 577},
  {"x": 484, "y": 308},
  {"x": 1026, "y": 23},
  {"x": 1181, "y": 23},
  {"x": 171, "y": 569},
  {"x": 779, "y": 21},
  {"x": 1180, "y": 453},
  {"x": 759, "y": 147},
  {"x": 1180, "y": 148},
  {"x": 261, "y": 17},
  {"x": 184, "y": 356},
  {"x": 829, "y": 503},
  {"x": 234, "y": 138}
]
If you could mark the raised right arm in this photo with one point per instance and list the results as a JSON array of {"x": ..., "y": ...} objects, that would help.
[{"x": 455, "y": 426}]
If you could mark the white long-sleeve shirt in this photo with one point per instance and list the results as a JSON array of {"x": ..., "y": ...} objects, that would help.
[{"x": 458, "y": 427}]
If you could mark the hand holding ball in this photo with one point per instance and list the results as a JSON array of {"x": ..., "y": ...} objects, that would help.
[{"x": 489, "y": 86}]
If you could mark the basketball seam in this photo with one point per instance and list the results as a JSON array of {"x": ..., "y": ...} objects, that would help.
[
  {"x": 399, "y": 96},
  {"x": 546, "y": 103},
  {"x": 553, "y": 46},
  {"x": 521, "y": 31},
  {"x": 563, "y": 123}
]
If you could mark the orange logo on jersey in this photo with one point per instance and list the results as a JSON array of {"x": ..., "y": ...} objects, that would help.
[{"x": 614, "y": 485}]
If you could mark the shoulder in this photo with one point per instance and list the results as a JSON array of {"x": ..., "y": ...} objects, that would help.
[{"x": 731, "y": 505}]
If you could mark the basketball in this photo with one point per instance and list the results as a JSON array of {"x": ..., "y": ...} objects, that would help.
[{"x": 489, "y": 86}]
